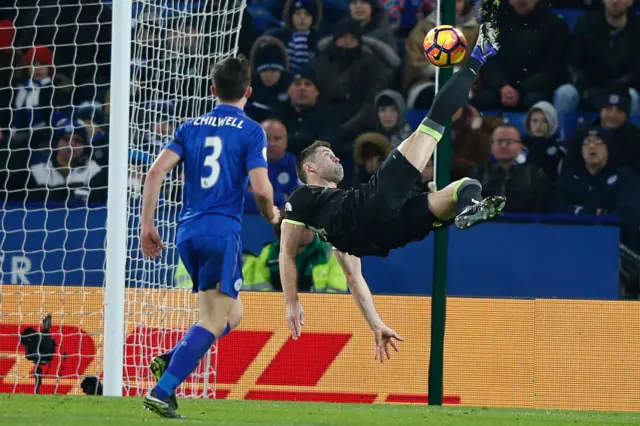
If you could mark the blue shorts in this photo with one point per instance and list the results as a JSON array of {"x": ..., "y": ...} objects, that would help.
[{"x": 213, "y": 259}]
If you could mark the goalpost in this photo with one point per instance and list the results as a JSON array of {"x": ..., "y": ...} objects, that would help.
[{"x": 123, "y": 74}]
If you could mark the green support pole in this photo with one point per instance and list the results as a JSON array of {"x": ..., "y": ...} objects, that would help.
[{"x": 439, "y": 291}]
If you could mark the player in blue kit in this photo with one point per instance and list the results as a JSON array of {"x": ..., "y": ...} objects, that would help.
[{"x": 222, "y": 151}]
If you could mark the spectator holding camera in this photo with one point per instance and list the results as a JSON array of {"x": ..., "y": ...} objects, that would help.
[{"x": 605, "y": 53}]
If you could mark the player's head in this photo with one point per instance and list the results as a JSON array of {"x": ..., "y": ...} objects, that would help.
[
  {"x": 231, "y": 79},
  {"x": 318, "y": 162}
]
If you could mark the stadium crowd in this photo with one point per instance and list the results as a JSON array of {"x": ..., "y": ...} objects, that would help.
[{"x": 549, "y": 124}]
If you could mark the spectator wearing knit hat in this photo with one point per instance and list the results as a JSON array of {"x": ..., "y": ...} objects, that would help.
[
  {"x": 543, "y": 145},
  {"x": 36, "y": 97},
  {"x": 624, "y": 149},
  {"x": 305, "y": 118},
  {"x": 350, "y": 75},
  {"x": 69, "y": 174},
  {"x": 596, "y": 186},
  {"x": 300, "y": 36},
  {"x": 271, "y": 78},
  {"x": 374, "y": 21}
]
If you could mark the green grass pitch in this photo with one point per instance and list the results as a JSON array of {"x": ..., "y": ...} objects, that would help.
[{"x": 39, "y": 410}]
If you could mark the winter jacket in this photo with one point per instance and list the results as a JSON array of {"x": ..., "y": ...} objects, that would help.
[
  {"x": 532, "y": 52},
  {"x": 525, "y": 186},
  {"x": 601, "y": 55},
  {"x": 308, "y": 125},
  {"x": 624, "y": 149},
  {"x": 266, "y": 101},
  {"x": 606, "y": 192},
  {"x": 348, "y": 86},
  {"x": 380, "y": 29}
]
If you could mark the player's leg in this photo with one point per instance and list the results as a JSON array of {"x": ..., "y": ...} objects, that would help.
[
  {"x": 387, "y": 191},
  {"x": 219, "y": 280},
  {"x": 419, "y": 147},
  {"x": 462, "y": 201}
]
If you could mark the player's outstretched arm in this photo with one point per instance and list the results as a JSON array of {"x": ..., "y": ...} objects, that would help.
[
  {"x": 290, "y": 236},
  {"x": 359, "y": 288},
  {"x": 150, "y": 241},
  {"x": 263, "y": 194}
]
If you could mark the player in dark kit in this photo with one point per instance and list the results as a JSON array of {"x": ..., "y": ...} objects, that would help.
[{"x": 384, "y": 213}]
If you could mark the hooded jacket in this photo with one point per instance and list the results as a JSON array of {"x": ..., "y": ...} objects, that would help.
[
  {"x": 546, "y": 152},
  {"x": 400, "y": 131}
]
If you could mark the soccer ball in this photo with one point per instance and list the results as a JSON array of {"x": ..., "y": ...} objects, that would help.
[{"x": 445, "y": 46}]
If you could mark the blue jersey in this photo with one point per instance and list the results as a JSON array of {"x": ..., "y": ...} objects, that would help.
[{"x": 218, "y": 151}]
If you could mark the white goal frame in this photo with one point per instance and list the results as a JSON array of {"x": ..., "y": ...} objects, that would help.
[{"x": 116, "y": 250}]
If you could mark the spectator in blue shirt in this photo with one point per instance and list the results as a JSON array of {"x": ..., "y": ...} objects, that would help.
[{"x": 282, "y": 166}]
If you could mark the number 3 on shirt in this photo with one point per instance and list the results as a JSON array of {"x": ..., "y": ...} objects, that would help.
[{"x": 211, "y": 161}]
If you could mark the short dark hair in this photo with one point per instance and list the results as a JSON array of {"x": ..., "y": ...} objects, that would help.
[
  {"x": 507, "y": 126},
  {"x": 231, "y": 78},
  {"x": 307, "y": 155}
]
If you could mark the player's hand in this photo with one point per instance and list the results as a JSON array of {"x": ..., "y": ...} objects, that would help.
[
  {"x": 295, "y": 318},
  {"x": 384, "y": 337},
  {"x": 275, "y": 216},
  {"x": 150, "y": 242}
]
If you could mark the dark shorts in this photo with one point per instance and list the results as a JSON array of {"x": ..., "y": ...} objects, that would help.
[
  {"x": 213, "y": 259},
  {"x": 387, "y": 191},
  {"x": 394, "y": 215}
]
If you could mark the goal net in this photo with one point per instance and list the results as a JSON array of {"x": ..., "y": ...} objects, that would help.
[{"x": 55, "y": 59}]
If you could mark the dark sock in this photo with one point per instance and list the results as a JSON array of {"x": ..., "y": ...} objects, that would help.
[
  {"x": 466, "y": 191},
  {"x": 454, "y": 94}
]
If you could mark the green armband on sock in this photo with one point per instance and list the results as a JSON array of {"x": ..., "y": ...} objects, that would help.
[{"x": 431, "y": 128}]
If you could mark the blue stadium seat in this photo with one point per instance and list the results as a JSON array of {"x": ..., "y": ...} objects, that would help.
[
  {"x": 517, "y": 119},
  {"x": 569, "y": 15},
  {"x": 571, "y": 121},
  {"x": 263, "y": 20}
]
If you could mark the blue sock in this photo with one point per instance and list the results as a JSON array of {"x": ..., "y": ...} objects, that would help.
[
  {"x": 186, "y": 357},
  {"x": 173, "y": 350}
]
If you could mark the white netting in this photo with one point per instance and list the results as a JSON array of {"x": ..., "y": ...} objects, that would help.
[{"x": 53, "y": 182}]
